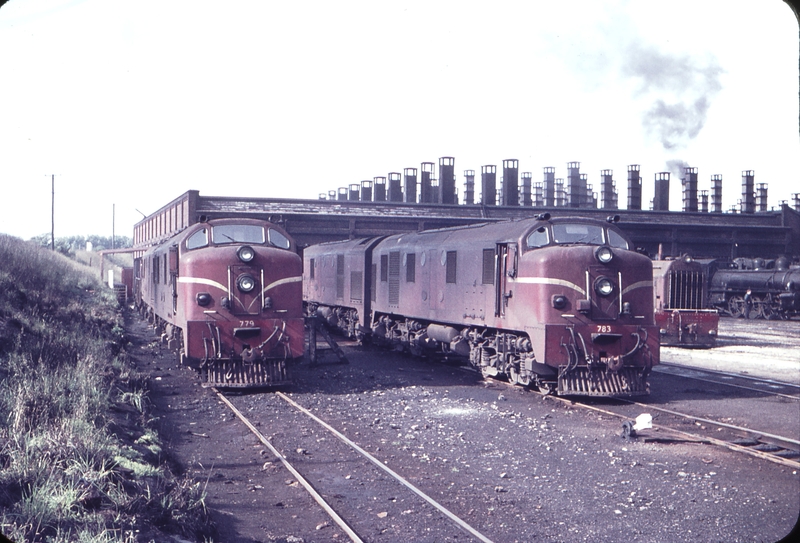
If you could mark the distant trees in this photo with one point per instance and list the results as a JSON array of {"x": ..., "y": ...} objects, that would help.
[{"x": 68, "y": 245}]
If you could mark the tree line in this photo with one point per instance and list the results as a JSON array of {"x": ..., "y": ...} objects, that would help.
[{"x": 70, "y": 244}]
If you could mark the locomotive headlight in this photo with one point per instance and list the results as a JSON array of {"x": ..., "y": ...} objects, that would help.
[
  {"x": 559, "y": 301},
  {"x": 203, "y": 298},
  {"x": 246, "y": 253},
  {"x": 604, "y": 255},
  {"x": 603, "y": 286},
  {"x": 246, "y": 283}
]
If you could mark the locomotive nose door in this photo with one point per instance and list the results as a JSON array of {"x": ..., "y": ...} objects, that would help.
[
  {"x": 246, "y": 289},
  {"x": 173, "y": 276},
  {"x": 505, "y": 267}
]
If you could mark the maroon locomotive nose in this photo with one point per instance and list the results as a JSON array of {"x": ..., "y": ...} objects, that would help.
[{"x": 226, "y": 295}]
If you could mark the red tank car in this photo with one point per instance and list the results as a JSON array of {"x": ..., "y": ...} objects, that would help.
[
  {"x": 227, "y": 295},
  {"x": 563, "y": 304},
  {"x": 682, "y": 316}
]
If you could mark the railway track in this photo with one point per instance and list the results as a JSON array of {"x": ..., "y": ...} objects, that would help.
[
  {"x": 756, "y": 384},
  {"x": 349, "y": 522},
  {"x": 778, "y": 449},
  {"x": 766, "y": 445}
]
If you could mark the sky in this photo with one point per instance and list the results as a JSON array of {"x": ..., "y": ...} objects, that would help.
[{"x": 122, "y": 106}]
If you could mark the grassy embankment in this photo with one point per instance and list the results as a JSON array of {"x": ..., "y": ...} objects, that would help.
[{"x": 80, "y": 459}]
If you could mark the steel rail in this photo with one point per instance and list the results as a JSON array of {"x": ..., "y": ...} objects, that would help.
[
  {"x": 778, "y": 440},
  {"x": 689, "y": 436},
  {"x": 761, "y": 390},
  {"x": 310, "y": 489},
  {"x": 729, "y": 374},
  {"x": 458, "y": 521}
]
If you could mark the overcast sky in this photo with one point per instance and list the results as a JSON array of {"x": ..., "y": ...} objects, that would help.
[{"x": 130, "y": 104}]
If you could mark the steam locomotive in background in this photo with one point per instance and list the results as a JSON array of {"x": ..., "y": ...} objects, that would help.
[
  {"x": 682, "y": 314},
  {"x": 563, "y": 304},
  {"x": 226, "y": 294},
  {"x": 755, "y": 288}
]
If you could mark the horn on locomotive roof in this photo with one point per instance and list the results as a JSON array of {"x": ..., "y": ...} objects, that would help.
[
  {"x": 543, "y": 217},
  {"x": 612, "y": 218}
]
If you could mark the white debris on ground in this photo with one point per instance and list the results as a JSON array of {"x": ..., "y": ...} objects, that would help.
[{"x": 643, "y": 422}]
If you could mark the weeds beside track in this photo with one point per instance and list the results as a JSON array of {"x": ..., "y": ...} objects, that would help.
[{"x": 80, "y": 459}]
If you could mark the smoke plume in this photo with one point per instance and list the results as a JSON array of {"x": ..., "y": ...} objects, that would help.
[
  {"x": 676, "y": 167},
  {"x": 681, "y": 87}
]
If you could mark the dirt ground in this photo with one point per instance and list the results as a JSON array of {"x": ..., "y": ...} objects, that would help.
[{"x": 518, "y": 467}]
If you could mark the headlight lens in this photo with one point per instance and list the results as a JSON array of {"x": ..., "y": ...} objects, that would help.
[
  {"x": 203, "y": 298},
  {"x": 246, "y": 253},
  {"x": 603, "y": 286},
  {"x": 246, "y": 283},
  {"x": 604, "y": 255}
]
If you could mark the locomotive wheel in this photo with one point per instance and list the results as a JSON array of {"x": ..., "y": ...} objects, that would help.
[
  {"x": 546, "y": 388},
  {"x": 736, "y": 306},
  {"x": 767, "y": 310},
  {"x": 515, "y": 377},
  {"x": 757, "y": 311}
]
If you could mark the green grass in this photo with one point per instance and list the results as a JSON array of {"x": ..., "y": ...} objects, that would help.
[{"x": 78, "y": 459}]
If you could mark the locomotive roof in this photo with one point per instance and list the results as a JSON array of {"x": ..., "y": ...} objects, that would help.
[
  {"x": 507, "y": 231},
  {"x": 504, "y": 231}
]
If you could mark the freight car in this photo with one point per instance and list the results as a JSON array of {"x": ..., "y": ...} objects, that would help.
[
  {"x": 761, "y": 293},
  {"x": 562, "y": 304},
  {"x": 683, "y": 320},
  {"x": 227, "y": 295}
]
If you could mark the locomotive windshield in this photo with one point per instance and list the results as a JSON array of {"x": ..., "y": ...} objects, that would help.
[
  {"x": 222, "y": 234},
  {"x": 237, "y": 233},
  {"x": 568, "y": 233},
  {"x": 577, "y": 233}
]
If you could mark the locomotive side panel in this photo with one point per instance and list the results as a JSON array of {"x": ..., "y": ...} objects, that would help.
[
  {"x": 443, "y": 283},
  {"x": 338, "y": 284}
]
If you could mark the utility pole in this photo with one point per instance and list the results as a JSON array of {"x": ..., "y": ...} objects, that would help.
[
  {"x": 53, "y": 212},
  {"x": 113, "y": 224}
]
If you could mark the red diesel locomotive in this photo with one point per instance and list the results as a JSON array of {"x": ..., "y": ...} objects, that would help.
[
  {"x": 682, "y": 316},
  {"x": 563, "y": 304},
  {"x": 227, "y": 295}
]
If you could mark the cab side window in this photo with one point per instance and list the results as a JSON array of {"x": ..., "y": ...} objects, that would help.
[
  {"x": 198, "y": 239},
  {"x": 538, "y": 238}
]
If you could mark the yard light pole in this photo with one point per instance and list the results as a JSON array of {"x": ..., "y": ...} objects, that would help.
[{"x": 53, "y": 212}]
